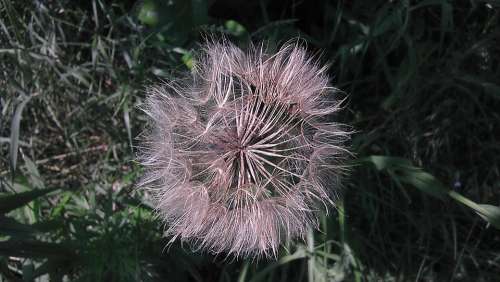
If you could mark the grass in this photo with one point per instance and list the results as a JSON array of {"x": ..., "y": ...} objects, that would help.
[{"x": 424, "y": 96}]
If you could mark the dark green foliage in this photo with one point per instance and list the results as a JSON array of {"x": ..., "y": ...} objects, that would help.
[{"x": 423, "y": 78}]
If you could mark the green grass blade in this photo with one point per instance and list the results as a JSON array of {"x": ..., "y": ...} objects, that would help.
[
  {"x": 12, "y": 202},
  {"x": 14, "y": 133}
]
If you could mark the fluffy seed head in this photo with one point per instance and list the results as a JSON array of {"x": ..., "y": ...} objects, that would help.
[{"x": 242, "y": 152}]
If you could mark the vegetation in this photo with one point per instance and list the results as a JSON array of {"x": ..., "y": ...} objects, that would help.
[{"x": 423, "y": 80}]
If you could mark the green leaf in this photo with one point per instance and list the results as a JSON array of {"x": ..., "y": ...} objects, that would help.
[
  {"x": 299, "y": 254},
  {"x": 187, "y": 59},
  {"x": 34, "y": 175},
  {"x": 403, "y": 171},
  {"x": 234, "y": 28},
  {"x": 488, "y": 212},
  {"x": 148, "y": 13},
  {"x": 59, "y": 208},
  {"x": 11, "y": 227},
  {"x": 14, "y": 133},
  {"x": 425, "y": 182},
  {"x": 174, "y": 19},
  {"x": 36, "y": 249},
  {"x": 243, "y": 272},
  {"x": 126, "y": 119},
  {"x": 384, "y": 162},
  {"x": 48, "y": 225},
  {"x": 14, "y": 201}
]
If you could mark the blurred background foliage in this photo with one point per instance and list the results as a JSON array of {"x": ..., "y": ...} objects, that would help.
[{"x": 423, "y": 79}]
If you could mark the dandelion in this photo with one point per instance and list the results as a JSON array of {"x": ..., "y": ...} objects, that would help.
[{"x": 242, "y": 153}]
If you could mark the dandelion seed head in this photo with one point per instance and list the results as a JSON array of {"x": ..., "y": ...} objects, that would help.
[{"x": 241, "y": 154}]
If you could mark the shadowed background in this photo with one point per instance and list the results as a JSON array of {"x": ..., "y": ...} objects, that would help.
[{"x": 421, "y": 203}]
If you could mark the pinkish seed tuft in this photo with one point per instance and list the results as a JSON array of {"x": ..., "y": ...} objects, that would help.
[{"x": 241, "y": 154}]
